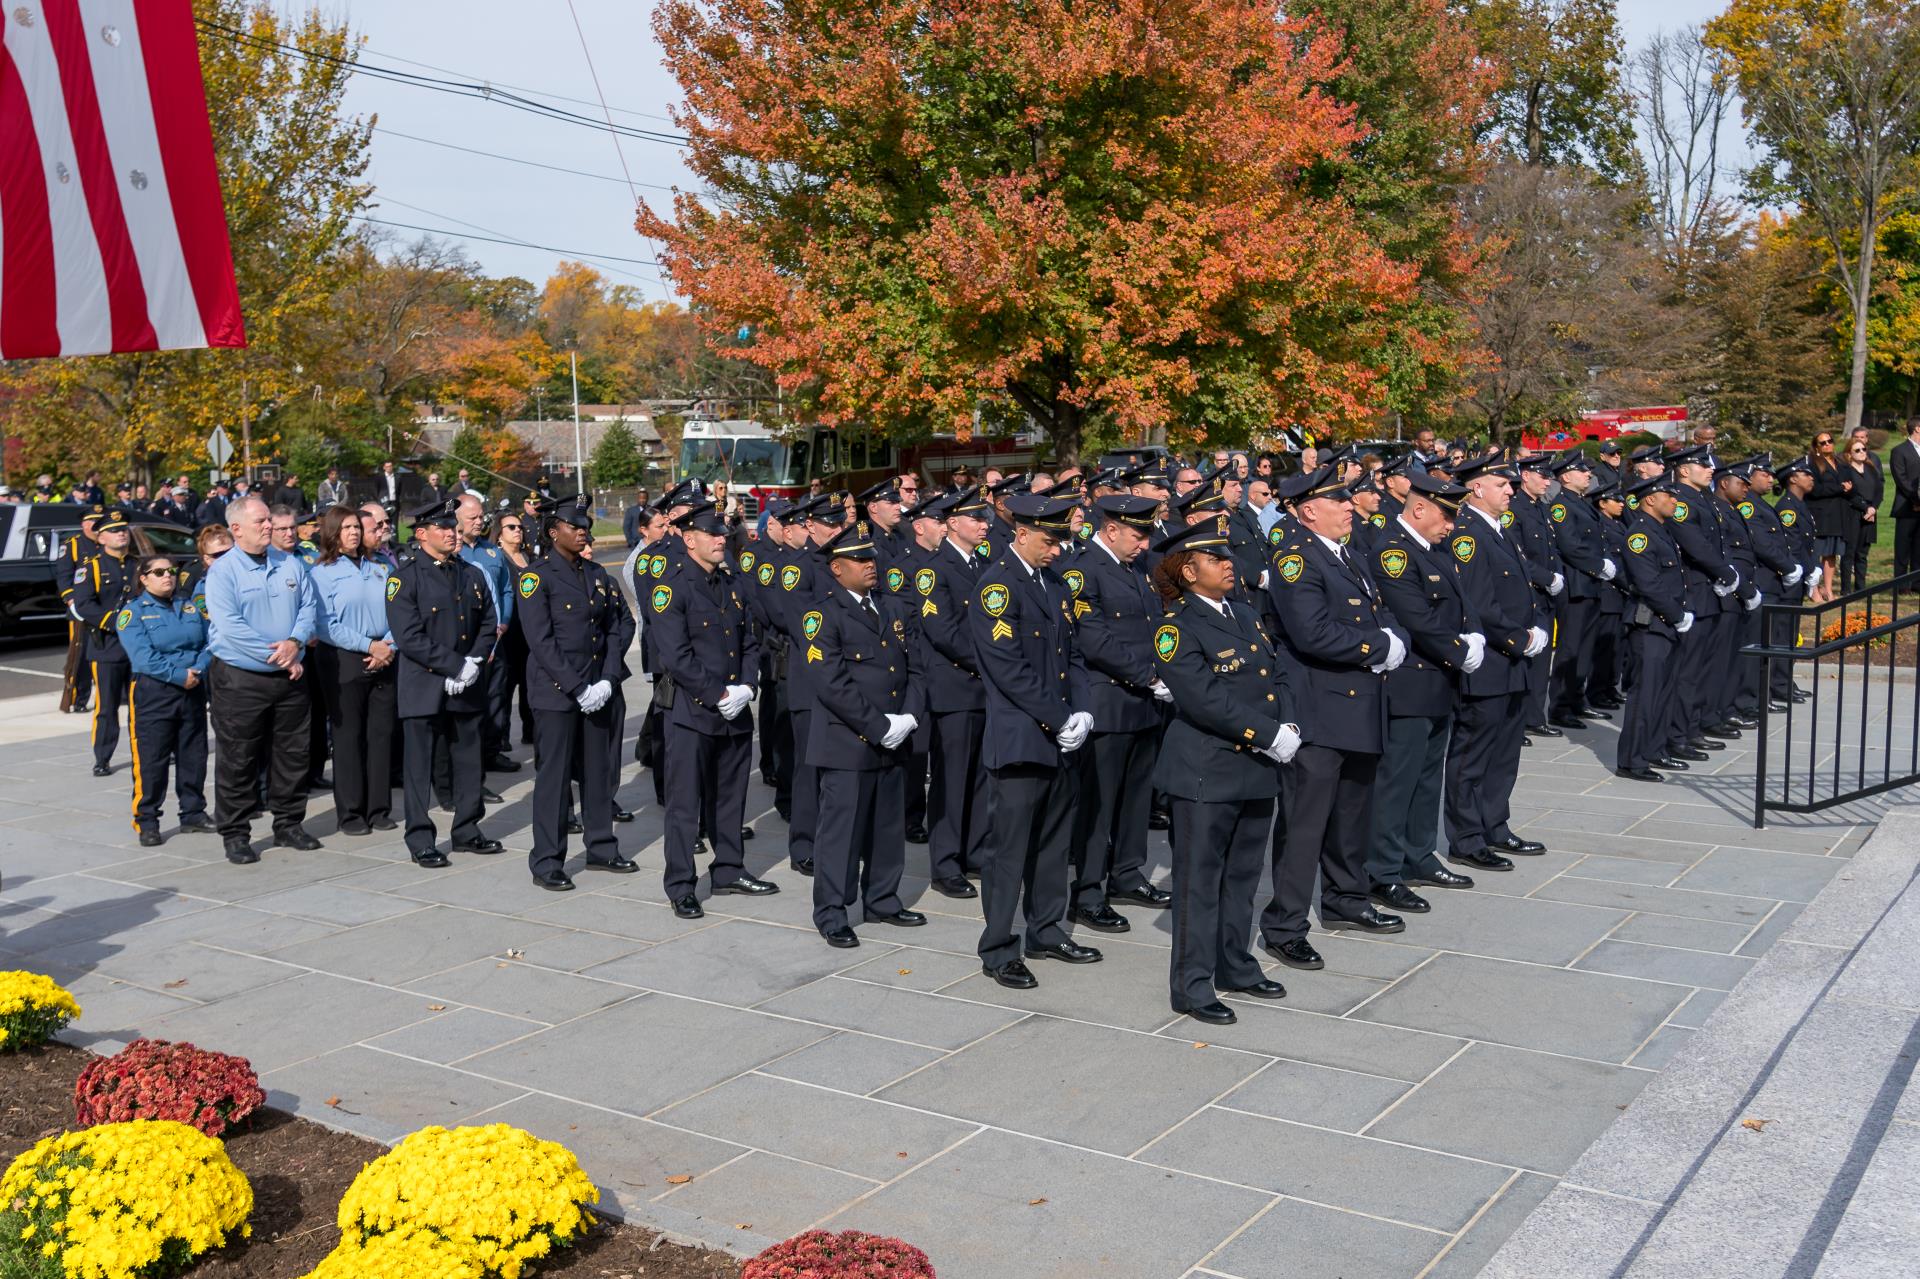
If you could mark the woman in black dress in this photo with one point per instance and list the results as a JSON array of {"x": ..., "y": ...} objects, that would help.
[
  {"x": 1863, "y": 509},
  {"x": 1830, "y": 502}
]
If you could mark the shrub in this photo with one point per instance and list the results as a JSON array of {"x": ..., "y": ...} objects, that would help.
[
  {"x": 1854, "y": 623},
  {"x": 408, "y": 1254},
  {"x": 495, "y": 1198},
  {"x": 852, "y": 1255},
  {"x": 33, "y": 1009},
  {"x": 119, "y": 1200},
  {"x": 153, "y": 1079}
]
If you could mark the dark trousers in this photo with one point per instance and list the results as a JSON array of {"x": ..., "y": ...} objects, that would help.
[
  {"x": 706, "y": 789},
  {"x": 317, "y": 745},
  {"x": 1406, "y": 799},
  {"x": 1649, "y": 720},
  {"x": 805, "y": 808},
  {"x": 503, "y": 671},
  {"x": 168, "y": 728},
  {"x": 1538, "y": 669},
  {"x": 1483, "y": 762},
  {"x": 79, "y": 670},
  {"x": 1119, "y": 791},
  {"x": 1699, "y": 654},
  {"x": 1329, "y": 807},
  {"x": 110, "y": 683},
  {"x": 1737, "y": 630},
  {"x": 1906, "y": 545},
  {"x": 360, "y": 712},
  {"x": 1573, "y": 656},
  {"x": 1216, "y": 873},
  {"x": 1604, "y": 678},
  {"x": 647, "y": 749},
  {"x": 1781, "y": 631},
  {"x": 461, "y": 733},
  {"x": 1029, "y": 828},
  {"x": 776, "y": 736},
  {"x": 916, "y": 788},
  {"x": 569, "y": 744},
  {"x": 262, "y": 723},
  {"x": 861, "y": 849},
  {"x": 958, "y": 806}
]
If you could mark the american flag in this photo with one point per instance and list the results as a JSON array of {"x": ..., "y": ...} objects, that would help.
[{"x": 113, "y": 236}]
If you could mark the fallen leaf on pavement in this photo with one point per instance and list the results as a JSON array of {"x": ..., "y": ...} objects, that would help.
[
  {"x": 905, "y": 971},
  {"x": 1758, "y": 1125},
  {"x": 743, "y": 1225},
  {"x": 1034, "y": 1203},
  {"x": 1201, "y": 1043},
  {"x": 516, "y": 954},
  {"x": 334, "y": 1100},
  {"x": 679, "y": 1179},
  {"x": 175, "y": 985},
  {"x": 436, "y": 1008}
]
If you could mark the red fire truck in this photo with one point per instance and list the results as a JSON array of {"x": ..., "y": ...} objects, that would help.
[{"x": 1668, "y": 421}]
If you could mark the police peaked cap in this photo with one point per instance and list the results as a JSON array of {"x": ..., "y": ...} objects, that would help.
[
  {"x": 884, "y": 491},
  {"x": 1696, "y": 455},
  {"x": 1019, "y": 483},
  {"x": 1571, "y": 459},
  {"x": 1043, "y": 511},
  {"x": 1397, "y": 466},
  {"x": 1647, "y": 453},
  {"x": 1799, "y": 466},
  {"x": 438, "y": 514},
  {"x": 1199, "y": 499},
  {"x": 1206, "y": 536},
  {"x": 966, "y": 501},
  {"x": 114, "y": 521},
  {"x": 1608, "y": 492},
  {"x": 933, "y": 508},
  {"x": 701, "y": 517},
  {"x": 1650, "y": 485},
  {"x": 854, "y": 542},
  {"x": 1321, "y": 481},
  {"x": 778, "y": 508},
  {"x": 1488, "y": 463},
  {"x": 828, "y": 508},
  {"x": 94, "y": 512},
  {"x": 1124, "y": 508},
  {"x": 1443, "y": 493},
  {"x": 685, "y": 493}
]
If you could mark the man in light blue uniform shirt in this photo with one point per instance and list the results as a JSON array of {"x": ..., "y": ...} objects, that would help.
[
  {"x": 260, "y": 616},
  {"x": 484, "y": 554}
]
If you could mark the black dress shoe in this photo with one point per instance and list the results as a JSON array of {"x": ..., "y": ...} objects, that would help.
[
  {"x": 1638, "y": 774},
  {"x": 899, "y": 919},
  {"x": 501, "y": 764},
  {"x": 555, "y": 881},
  {"x": 1514, "y": 846},
  {"x": 916, "y": 834},
  {"x": 1214, "y": 1014},
  {"x": 1725, "y": 732},
  {"x": 1144, "y": 895},
  {"x": 747, "y": 886},
  {"x": 746, "y": 833},
  {"x": 240, "y": 851},
  {"x": 1742, "y": 720},
  {"x": 489, "y": 796},
  {"x": 295, "y": 837},
  {"x": 841, "y": 938},
  {"x": 1607, "y": 701},
  {"x": 615, "y": 865},
  {"x": 383, "y": 823},
  {"x": 1481, "y": 859},
  {"x": 102, "y": 770},
  {"x": 197, "y": 826},
  {"x": 1440, "y": 877},
  {"x": 1159, "y": 819},
  {"x": 1594, "y": 712},
  {"x": 1400, "y": 897},
  {"x": 1777, "y": 706},
  {"x": 573, "y": 827},
  {"x": 1103, "y": 917},
  {"x": 1067, "y": 952},
  {"x": 700, "y": 846},
  {"x": 1367, "y": 921},
  {"x": 1687, "y": 752},
  {"x": 355, "y": 827},
  {"x": 1298, "y": 953},
  {"x": 1567, "y": 721},
  {"x": 1707, "y": 744},
  {"x": 621, "y": 815},
  {"x": 1544, "y": 730},
  {"x": 1013, "y": 974},
  {"x": 483, "y": 846},
  {"x": 1671, "y": 765},
  {"x": 688, "y": 907},
  {"x": 955, "y": 886},
  {"x": 151, "y": 839},
  {"x": 320, "y": 783},
  {"x": 1265, "y": 988},
  {"x": 804, "y": 866},
  {"x": 432, "y": 859},
  {"x": 1800, "y": 696}
]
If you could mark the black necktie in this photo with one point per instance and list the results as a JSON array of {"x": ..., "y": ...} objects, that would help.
[{"x": 866, "y": 602}]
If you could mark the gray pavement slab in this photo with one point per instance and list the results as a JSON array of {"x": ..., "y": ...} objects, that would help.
[
  {"x": 933, "y": 1021},
  {"x": 1321, "y": 1095},
  {"x": 771, "y": 1196},
  {"x": 1297, "y": 1238},
  {"x": 859, "y": 1064}
]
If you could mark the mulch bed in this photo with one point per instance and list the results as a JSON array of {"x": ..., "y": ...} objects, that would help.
[{"x": 299, "y": 1171}]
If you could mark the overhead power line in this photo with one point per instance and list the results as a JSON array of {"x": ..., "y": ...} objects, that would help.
[
  {"x": 500, "y": 239},
  {"x": 538, "y": 93},
  {"x": 514, "y": 159}
]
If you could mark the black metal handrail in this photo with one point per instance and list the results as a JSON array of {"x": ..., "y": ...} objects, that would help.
[{"x": 1901, "y": 599}]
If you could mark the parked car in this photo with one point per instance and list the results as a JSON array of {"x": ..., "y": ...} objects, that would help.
[{"x": 30, "y": 540}]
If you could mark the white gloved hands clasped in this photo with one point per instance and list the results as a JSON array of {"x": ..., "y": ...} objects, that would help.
[
  {"x": 1558, "y": 584},
  {"x": 734, "y": 700},
  {"x": 1814, "y": 575},
  {"x": 1396, "y": 654},
  {"x": 1536, "y": 642},
  {"x": 1685, "y": 625},
  {"x": 1752, "y": 601},
  {"x": 1286, "y": 744},
  {"x": 469, "y": 671},
  {"x": 899, "y": 728},
  {"x": 1793, "y": 578},
  {"x": 1476, "y": 651},
  {"x": 1729, "y": 588},
  {"x": 1073, "y": 734},
  {"x": 594, "y": 696},
  {"x": 1161, "y": 693},
  {"x": 1608, "y": 570}
]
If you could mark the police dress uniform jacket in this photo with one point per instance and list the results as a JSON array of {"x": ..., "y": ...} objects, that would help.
[
  {"x": 864, "y": 670},
  {"x": 440, "y": 613},
  {"x": 1798, "y": 526},
  {"x": 1035, "y": 677},
  {"x": 1231, "y": 693},
  {"x": 1580, "y": 544},
  {"x": 945, "y": 582},
  {"x": 703, "y": 641},
  {"x": 1116, "y": 611},
  {"x": 1773, "y": 558},
  {"x": 1422, "y": 590},
  {"x": 800, "y": 583},
  {"x": 1695, "y": 529},
  {"x": 1331, "y": 619},
  {"x": 164, "y": 639},
  {"x": 1248, "y": 547},
  {"x": 1527, "y": 524},
  {"x": 105, "y": 585},
  {"x": 1737, "y": 549},
  {"x": 1493, "y": 577},
  {"x": 70, "y": 565},
  {"x": 1613, "y": 536},
  {"x": 1655, "y": 575},
  {"x": 577, "y": 628}
]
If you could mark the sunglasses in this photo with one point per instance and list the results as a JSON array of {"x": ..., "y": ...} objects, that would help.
[
  {"x": 158, "y": 572},
  {"x": 1827, "y": 440}
]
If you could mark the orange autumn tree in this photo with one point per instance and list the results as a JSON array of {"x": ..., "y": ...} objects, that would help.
[{"x": 1081, "y": 213}]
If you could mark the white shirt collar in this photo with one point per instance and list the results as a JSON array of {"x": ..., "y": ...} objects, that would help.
[
  {"x": 859, "y": 600},
  {"x": 962, "y": 551},
  {"x": 1493, "y": 520},
  {"x": 1330, "y": 544},
  {"x": 1401, "y": 520},
  {"x": 1099, "y": 542},
  {"x": 1218, "y": 606}
]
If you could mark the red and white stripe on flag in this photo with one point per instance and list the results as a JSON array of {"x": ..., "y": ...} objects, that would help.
[{"x": 113, "y": 236}]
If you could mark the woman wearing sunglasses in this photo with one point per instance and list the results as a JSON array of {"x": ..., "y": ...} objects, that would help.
[
  {"x": 1863, "y": 509},
  {"x": 164, "y": 634},
  {"x": 1831, "y": 504}
]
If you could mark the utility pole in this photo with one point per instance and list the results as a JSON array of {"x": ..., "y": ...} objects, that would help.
[
  {"x": 579, "y": 470},
  {"x": 246, "y": 431}
]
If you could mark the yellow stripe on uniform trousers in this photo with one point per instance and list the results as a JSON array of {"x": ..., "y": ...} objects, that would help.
[
  {"x": 133, "y": 738},
  {"x": 94, "y": 739}
]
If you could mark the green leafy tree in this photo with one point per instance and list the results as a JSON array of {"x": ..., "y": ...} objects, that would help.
[
  {"x": 617, "y": 461},
  {"x": 1562, "y": 97}
]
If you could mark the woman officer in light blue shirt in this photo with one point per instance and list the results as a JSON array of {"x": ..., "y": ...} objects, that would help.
[
  {"x": 354, "y": 653},
  {"x": 164, "y": 634}
]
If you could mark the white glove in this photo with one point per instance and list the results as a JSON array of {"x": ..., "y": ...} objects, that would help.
[
  {"x": 1263, "y": 581},
  {"x": 1557, "y": 585},
  {"x": 1814, "y": 575},
  {"x": 1730, "y": 588},
  {"x": 455, "y": 687},
  {"x": 1396, "y": 653},
  {"x": 1608, "y": 570},
  {"x": 1161, "y": 693},
  {"x": 1536, "y": 641},
  {"x": 899, "y": 728},
  {"x": 1476, "y": 651},
  {"x": 734, "y": 700},
  {"x": 469, "y": 671},
  {"x": 1752, "y": 601},
  {"x": 1073, "y": 735},
  {"x": 1793, "y": 578},
  {"x": 1285, "y": 744},
  {"x": 594, "y": 696},
  {"x": 1686, "y": 624}
]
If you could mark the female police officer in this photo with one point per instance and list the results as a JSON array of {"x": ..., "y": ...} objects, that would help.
[
  {"x": 358, "y": 681},
  {"x": 164, "y": 634},
  {"x": 1233, "y": 721}
]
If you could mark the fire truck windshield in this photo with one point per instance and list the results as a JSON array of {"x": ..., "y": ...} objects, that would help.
[{"x": 738, "y": 460}]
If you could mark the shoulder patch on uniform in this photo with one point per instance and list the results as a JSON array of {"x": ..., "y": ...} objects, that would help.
[
  {"x": 1378, "y": 521},
  {"x": 1558, "y": 512},
  {"x": 985, "y": 549},
  {"x": 189, "y": 610},
  {"x": 1746, "y": 510},
  {"x": 1291, "y": 567},
  {"x": 789, "y": 577},
  {"x": 1086, "y": 531},
  {"x": 656, "y": 566},
  {"x": 1680, "y": 511},
  {"x": 766, "y": 574},
  {"x": 120, "y": 622},
  {"x": 923, "y": 581},
  {"x": 746, "y": 561},
  {"x": 1463, "y": 549},
  {"x": 1789, "y": 517},
  {"x": 1506, "y": 519},
  {"x": 393, "y": 586},
  {"x": 810, "y": 624},
  {"x": 995, "y": 598},
  {"x": 1074, "y": 579},
  {"x": 662, "y": 596},
  {"x": 1637, "y": 543},
  {"x": 1393, "y": 561},
  {"x": 1166, "y": 642},
  {"x": 896, "y": 578},
  {"x": 1275, "y": 536},
  {"x": 529, "y": 583}
]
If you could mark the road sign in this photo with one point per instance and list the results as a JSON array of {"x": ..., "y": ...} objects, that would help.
[{"x": 219, "y": 447}]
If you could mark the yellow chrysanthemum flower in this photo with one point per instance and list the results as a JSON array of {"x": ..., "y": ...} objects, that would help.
[{"x": 33, "y": 1009}]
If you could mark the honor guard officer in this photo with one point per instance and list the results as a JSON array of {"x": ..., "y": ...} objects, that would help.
[
  {"x": 705, "y": 648},
  {"x": 1740, "y": 627},
  {"x": 1022, "y": 632},
  {"x": 1712, "y": 586},
  {"x": 1232, "y": 727},
  {"x": 1532, "y": 532},
  {"x": 1660, "y": 618},
  {"x": 1343, "y": 642},
  {"x": 894, "y": 550},
  {"x": 1414, "y": 569},
  {"x": 440, "y": 610},
  {"x": 105, "y": 584},
  {"x": 577, "y": 628},
  {"x": 1483, "y": 756},
  {"x": 802, "y": 582},
  {"x": 1117, "y": 609},
  {"x": 1778, "y": 576},
  {"x": 165, "y": 639},
  {"x": 945, "y": 583},
  {"x": 759, "y": 574},
  {"x": 1606, "y": 678},
  {"x": 477, "y": 549},
  {"x": 882, "y": 505},
  {"x": 68, "y": 568},
  {"x": 1587, "y": 567},
  {"x": 1368, "y": 522},
  {"x": 868, "y": 699}
]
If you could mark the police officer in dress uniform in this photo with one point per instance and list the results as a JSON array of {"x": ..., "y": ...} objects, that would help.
[
  {"x": 1415, "y": 572},
  {"x": 164, "y": 636},
  {"x": 106, "y": 584},
  {"x": 1233, "y": 726},
  {"x": 1587, "y": 568},
  {"x": 945, "y": 583},
  {"x": 868, "y": 699},
  {"x": 1604, "y": 680},
  {"x": 800, "y": 583},
  {"x": 69, "y": 567},
  {"x": 1787, "y": 517},
  {"x": 577, "y": 628},
  {"x": 1712, "y": 581},
  {"x": 1532, "y": 532},
  {"x": 481, "y": 551},
  {"x": 705, "y": 647},
  {"x": 1739, "y": 626},
  {"x": 1777, "y": 574},
  {"x": 759, "y": 570},
  {"x": 440, "y": 610},
  {"x": 1660, "y": 619},
  {"x": 893, "y": 550},
  {"x": 1022, "y": 632}
]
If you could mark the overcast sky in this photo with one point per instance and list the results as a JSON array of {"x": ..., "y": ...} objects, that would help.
[{"x": 532, "y": 45}]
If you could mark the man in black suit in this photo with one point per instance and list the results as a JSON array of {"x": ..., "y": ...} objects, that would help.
[
  {"x": 1905, "y": 464},
  {"x": 944, "y": 582}
]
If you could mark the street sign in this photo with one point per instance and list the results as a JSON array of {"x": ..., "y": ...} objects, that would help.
[{"x": 219, "y": 447}]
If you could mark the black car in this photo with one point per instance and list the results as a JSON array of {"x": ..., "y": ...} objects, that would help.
[{"x": 30, "y": 541}]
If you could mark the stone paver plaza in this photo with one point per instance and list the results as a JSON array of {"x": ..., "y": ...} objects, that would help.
[{"x": 1399, "y": 1114}]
